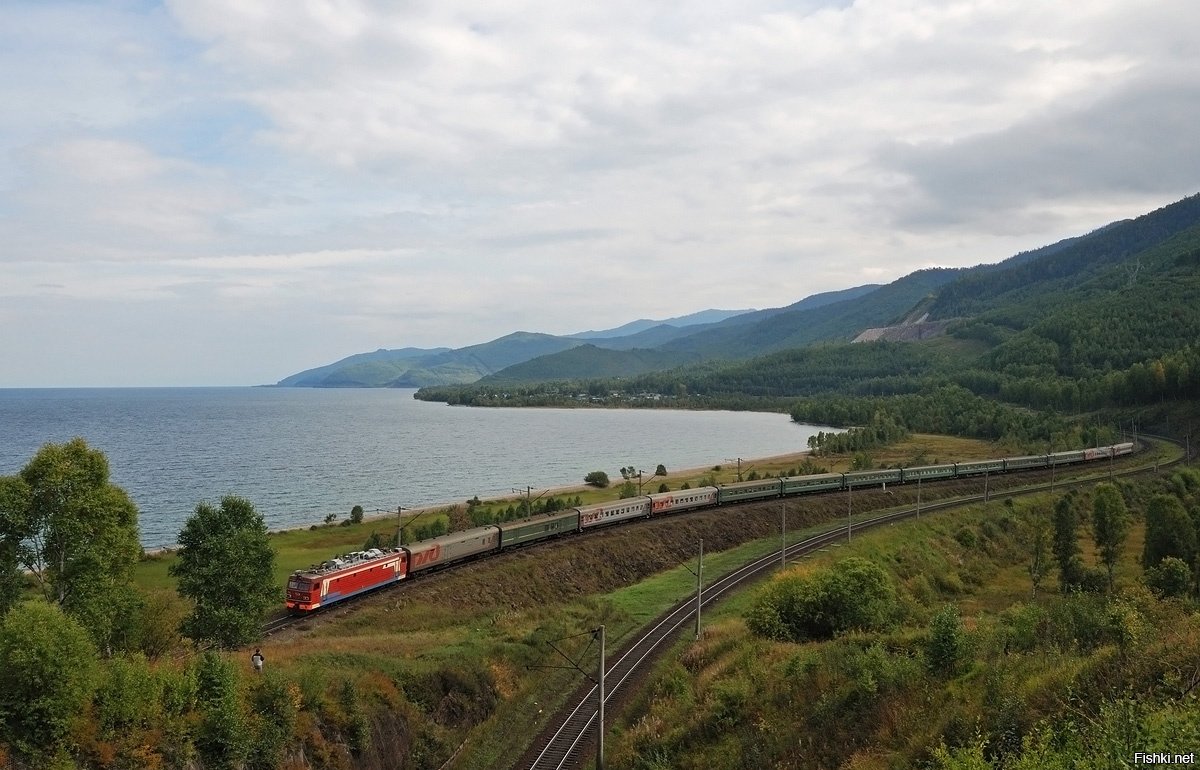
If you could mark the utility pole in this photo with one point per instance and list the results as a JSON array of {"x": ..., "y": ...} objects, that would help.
[
  {"x": 597, "y": 633},
  {"x": 985, "y": 487},
  {"x": 399, "y": 523},
  {"x": 699, "y": 585},
  {"x": 782, "y": 535},
  {"x": 918, "y": 497},
  {"x": 699, "y": 573},
  {"x": 529, "y": 498},
  {"x": 600, "y": 697},
  {"x": 849, "y": 513}
]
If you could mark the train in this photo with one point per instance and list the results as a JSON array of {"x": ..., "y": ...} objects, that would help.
[{"x": 355, "y": 573}]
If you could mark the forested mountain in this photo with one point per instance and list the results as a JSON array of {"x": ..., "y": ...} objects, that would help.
[
  {"x": 1020, "y": 278},
  {"x": 415, "y": 367},
  {"x": 804, "y": 325},
  {"x": 361, "y": 368},
  {"x": 1082, "y": 308},
  {"x": 1108, "y": 320},
  {"x": 827, "y": 317},
  {"x": 703, "y": 317},
  {"x": 588, "y": 362}
]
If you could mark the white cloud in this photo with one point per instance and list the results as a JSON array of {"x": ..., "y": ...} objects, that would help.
[{"x": 445, "y": 172}]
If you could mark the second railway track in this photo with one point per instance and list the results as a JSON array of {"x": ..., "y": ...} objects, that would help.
[{"x": 570, "y": 734}]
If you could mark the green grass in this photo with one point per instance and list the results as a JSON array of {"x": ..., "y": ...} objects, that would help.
[{"x": 678, "y": 717}]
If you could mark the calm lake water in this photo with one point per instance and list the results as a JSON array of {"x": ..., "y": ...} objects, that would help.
[{"x": 299, "y": 454}]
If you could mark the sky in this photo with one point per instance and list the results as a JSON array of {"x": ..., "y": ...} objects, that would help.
[{"x": 226, "y": 192}]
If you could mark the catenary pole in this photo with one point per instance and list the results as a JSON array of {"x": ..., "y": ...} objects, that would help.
[
  {"x": 600, "y": 715},
  {"x": 699, "y": 585}
]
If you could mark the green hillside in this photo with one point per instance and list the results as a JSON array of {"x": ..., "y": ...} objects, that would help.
[
  {"x": 587, "y": 362},
  {"x": 360, "y": 369},
  {"x": 1108, "y": 321}
]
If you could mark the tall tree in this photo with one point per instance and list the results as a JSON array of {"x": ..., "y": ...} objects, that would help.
[
  {"x": 225, "y": 567},
  {"x": 73, "y": 531},
  {"x": 1066, "y": 543},
  {"x": 1110, "y": 525},
  {"x": 1038, "y": 535},
  {"x": 14, "y": 504},
  {"x": 1169, "y": 532}
]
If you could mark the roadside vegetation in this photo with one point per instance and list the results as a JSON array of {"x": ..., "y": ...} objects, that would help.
[{"x": 977, "y": 661}]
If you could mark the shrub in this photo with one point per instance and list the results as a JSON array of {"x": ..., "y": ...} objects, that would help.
[
  {"x": 853, "y": 594},
  {"x": 597, "y": 479},
  {"x": 1170, "y": 577},
  {"x": 947, "y": 645},
  {"x": 356, "y": 514},
  {"x": 47, "y": 676},
  {"x": 1026, "y": 626},
  {"x": 379, "y": 540},
  {"x": 1092, "y": 580}
]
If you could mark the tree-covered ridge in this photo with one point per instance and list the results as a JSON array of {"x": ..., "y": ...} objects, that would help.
[
  {"x": 982, "y": 290},
  {"x": 587, "y": 362},
  {"x": 1114, "y": 336},
  {"x": 839, "y": 321}
]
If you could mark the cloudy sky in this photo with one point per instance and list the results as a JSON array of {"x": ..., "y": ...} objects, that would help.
[{"x": 225, "y": 192}]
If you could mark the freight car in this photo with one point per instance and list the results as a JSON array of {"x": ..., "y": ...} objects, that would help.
[{"x": 361, "y": 571}]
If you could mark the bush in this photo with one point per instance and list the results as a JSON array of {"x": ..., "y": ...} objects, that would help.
[
  {"x": 853, "y": 594},
  {"x": 1092, "y": 580},
  {"x": 597, "y": 479},
  {"x": 1170, "y": 577},
  {"x": 47, "y": 675},
  {"x": 356, "y": 514},
  {"x": 947, "y": 645},
  {"x": 1025, "y": 625},
  {"x": 380, "y": 541}
]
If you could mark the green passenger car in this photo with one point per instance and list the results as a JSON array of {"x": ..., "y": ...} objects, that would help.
[
  {"x": 749, "y": 490},
  {"x": 537, "y": 528},
  {"x": 926, "y": 472},
  {"x": 795, "y": 485}
]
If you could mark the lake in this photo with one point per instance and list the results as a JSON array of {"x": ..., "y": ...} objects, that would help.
[{"x": 299, "y": 454}]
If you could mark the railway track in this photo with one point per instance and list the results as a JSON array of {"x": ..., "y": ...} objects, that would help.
[
  {"x": 571, "y": 732},
  {"x": 282, "y": 621}
]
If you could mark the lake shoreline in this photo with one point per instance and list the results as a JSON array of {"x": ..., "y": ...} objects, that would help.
[{"x": 789, "y": 458}]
